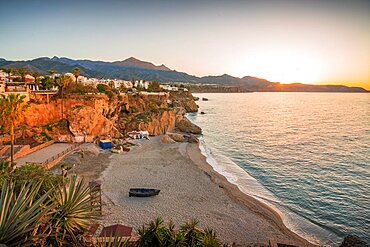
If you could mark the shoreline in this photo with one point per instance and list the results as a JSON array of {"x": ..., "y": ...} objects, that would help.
[
  {"x": 205, "y": 195},
  {"x": 236, "y": 194}
]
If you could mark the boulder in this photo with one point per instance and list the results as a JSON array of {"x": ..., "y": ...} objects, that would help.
[
  {"x": 159, "y": 123},
  {"x": 353, "y": 241},
  {"x": 177, "y": 137},
  {"x": 167, "y": 139},
  {"x": 191, "y": 139},
  {"x": 186, "y": 126},
  {"x": 87, "y": 123}
]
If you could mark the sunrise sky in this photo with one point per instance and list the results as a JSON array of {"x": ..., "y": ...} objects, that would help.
[{"x": 317, "y": 41}]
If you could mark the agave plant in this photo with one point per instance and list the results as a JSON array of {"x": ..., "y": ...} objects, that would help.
[
  {"x": 172, "y": 238},
  {"x": 73, "y": 213},
  {"x": 210, "y": 238},
  {"x": 193, "y": 236},
  {"x": 153, "y": 234},
  {"x": 21, "y": 213},
  {"x": 5, "y": 167}
]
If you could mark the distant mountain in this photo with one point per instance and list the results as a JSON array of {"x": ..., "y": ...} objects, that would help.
[
  {"x": 136, "y": 63},
  {"x": 133, "y": 68}
]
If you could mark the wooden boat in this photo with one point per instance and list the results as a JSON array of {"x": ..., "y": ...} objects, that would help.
[{"x": 143, "y": 192}]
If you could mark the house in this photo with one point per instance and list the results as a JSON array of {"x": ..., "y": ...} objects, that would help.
[
  {"x": 82, "y": 79},
  {"x": 20, "y": 88}
]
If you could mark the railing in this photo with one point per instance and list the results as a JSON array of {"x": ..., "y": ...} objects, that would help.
[{"x": 57, "y": 156}]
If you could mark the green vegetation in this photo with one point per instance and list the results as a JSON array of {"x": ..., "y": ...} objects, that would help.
[
  {"x": 76, "y": 72},
  {"x": 78, "y": 88},
  {"x": 156, "y": 234},
  {"x": 143, "y": 117},
  {"x": 41, "y": 209},
  {"x": 49, "y": 127},
  {"x": 102, "y": 88},
  {"x": 12, "y": 108},
  {"x": 45, "y": 137},
  {"x": 154, "y": 86},
  {"x": 77, "y": 107},
  {"x": 133, "y": 109}
]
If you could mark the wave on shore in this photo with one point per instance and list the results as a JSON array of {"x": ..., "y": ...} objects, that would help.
[{"x": 251, "y": 187}]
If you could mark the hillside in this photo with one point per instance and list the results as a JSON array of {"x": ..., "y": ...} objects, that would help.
[
  {"x": 136, "y": 63},
  {"x": 133, "y": 68}
]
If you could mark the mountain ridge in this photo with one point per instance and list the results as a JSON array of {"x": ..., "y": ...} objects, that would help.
[{"x": 133, "y": 68}]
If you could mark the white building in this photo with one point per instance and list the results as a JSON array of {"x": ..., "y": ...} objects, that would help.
[{"x": 82, "y": 79}]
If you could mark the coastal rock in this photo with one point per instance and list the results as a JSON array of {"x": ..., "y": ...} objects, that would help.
[
  {"x": 191, "y": 139},
  {"x": 167, "y": 139},
  {"x": 185, "y": 100},
  {"x": 86, "y": 123},
  {"x": 177, "y": 137},
  {"x": 353, "y": 241},
  {"x": 159, "y": 123},
  {"x": 186, "y": 126}
]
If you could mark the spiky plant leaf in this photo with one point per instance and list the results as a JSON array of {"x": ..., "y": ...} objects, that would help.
[
  {"x": 193, "y": 236},
  {"x": 210, "y": 238},
  {"x": 21, "y": 212},
  {"x": 73, "y": 213}
]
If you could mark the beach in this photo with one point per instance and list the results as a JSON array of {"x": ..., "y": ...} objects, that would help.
[{"x": 189, "y": 189}]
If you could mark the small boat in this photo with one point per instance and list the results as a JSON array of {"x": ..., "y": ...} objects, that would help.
[{"x": 142, "y": 192}]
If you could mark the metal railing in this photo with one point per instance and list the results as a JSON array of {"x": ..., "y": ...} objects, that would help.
[{"x": 57, "y": 156}]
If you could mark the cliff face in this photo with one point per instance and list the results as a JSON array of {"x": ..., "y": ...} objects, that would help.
[{"x": 91, "y": 116}]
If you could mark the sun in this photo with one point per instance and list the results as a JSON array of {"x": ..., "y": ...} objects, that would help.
[{"x": 286, "y": 67}]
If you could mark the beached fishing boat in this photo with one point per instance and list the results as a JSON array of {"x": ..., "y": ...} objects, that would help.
[{"x": 143, "y": 192}]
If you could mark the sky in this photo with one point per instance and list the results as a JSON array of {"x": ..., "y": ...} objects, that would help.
[{"x": 316, "y": 41}]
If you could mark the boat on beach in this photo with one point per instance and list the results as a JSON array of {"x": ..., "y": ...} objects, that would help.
[{"x": 143, "y": 192}]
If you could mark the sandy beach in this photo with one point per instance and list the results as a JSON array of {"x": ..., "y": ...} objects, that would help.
[{"x": 189, "y": 189}]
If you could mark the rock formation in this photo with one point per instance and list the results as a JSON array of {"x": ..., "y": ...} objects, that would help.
[
  {"x": 87, "y": 117},
  {"x": 353, "y": 241},
  {"x": 86, "y": 123}
]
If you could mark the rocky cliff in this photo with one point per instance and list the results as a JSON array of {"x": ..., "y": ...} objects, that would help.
[{"x": 86, "y": 117}]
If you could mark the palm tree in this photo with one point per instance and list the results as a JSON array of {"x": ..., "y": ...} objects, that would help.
[
  {"x": 62, "y": 82},
  {"x": 76, "y": 72},
  {"x": 22, "y": 72},
  {"x": 52, "y": 72},
  {"x": 8, "y": 71},
  {"x": 36, "y": 75},
  {"x": 12, "y": 108}
]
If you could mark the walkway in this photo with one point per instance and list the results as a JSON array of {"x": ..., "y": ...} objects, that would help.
[{"x": 46, "y": 155}]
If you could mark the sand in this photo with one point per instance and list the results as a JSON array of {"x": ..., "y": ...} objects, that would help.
[{"x": 189, "y": 189}]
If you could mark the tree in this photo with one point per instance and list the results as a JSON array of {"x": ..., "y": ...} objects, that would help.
[
  {"x": 62, "y": 82},
  {"x": 8, "y": 71},
  {"x": 22, "y": 72},
  {"x": 52, "y": 72},
  {"x": 154, "y": 86},
  {"x": 76, "y": 72},
  {"x": 12, "y": 108},
  {"x": 36, "y": 75}
]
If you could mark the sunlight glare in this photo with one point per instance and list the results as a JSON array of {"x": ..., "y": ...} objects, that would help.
[{"x": 287, "y": 67}]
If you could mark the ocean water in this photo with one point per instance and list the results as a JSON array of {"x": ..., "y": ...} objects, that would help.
[{"x": 305, "y": 154}]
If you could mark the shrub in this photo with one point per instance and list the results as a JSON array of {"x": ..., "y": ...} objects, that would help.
[
  {"x": 102, "y": 88},
  {"x": 133, "y": 109},
  {"x": 42, "y": 209},
  {"x": 156, "y": 234}
]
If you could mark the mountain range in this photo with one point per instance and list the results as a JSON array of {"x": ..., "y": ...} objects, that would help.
[{"x": 133, "y": 68}]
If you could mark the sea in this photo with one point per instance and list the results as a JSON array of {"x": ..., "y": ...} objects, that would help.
[{"x": 305, "y": 154}]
